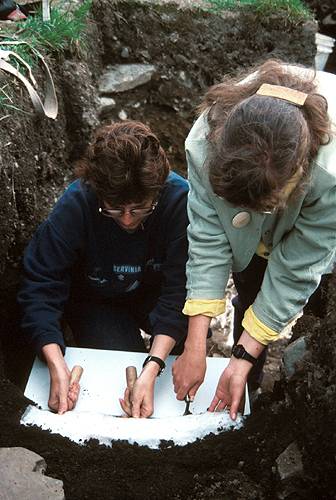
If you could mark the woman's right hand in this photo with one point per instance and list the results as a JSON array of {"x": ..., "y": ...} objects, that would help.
[
  {"x": 188, "y": 373},
  {"x": 62, "y": 395},
  {"x": 189, "y": 368}
]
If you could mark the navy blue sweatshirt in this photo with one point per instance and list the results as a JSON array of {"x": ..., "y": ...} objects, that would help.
[{"x": 81, "y": 253}]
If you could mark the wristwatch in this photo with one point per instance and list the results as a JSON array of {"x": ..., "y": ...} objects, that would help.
[
  {"x": 238, "y": 351},
  {"x": 157, "y": 360}
]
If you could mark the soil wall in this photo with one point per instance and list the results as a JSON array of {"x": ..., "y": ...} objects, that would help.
[{"x": 190, "y": 51}]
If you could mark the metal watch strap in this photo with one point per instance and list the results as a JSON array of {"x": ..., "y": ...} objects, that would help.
[{"x": 157, "y": 360}]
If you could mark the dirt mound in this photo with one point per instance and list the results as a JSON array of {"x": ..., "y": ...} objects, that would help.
[{"x": 239, "y": 464}]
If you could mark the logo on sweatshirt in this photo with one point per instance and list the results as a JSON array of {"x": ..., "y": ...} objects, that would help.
[{"x": 126, "y": 269}]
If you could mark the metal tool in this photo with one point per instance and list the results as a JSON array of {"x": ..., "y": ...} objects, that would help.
[{"x": 187, "y": 400}]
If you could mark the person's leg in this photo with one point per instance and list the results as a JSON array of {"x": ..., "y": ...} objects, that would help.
[
  {"x": 248, "y": 283},
  {"x": 104, "y": 326}
]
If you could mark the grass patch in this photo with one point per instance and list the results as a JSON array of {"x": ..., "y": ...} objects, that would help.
[
  {"x": 65, "y": 31},
  {"x": 296, "y": 10},
  {"x": 6, "y": 101}
]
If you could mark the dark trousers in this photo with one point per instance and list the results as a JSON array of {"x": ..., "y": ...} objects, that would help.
[
  {"x": 113, "y": 325},
  {"x": 104, "y": 326},
  {"x": 248, "y": 284}
]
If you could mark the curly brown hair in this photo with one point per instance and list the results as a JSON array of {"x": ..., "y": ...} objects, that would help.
[
  {"x": 258, "y": 143},
  {"x": 124, "y": 163}
]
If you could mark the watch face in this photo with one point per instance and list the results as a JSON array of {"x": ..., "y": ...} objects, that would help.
[{"x": 238, "y": 351}]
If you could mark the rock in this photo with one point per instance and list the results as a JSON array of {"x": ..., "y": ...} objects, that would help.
[
  {"x": 122, "y": 115},
  {"x": 105, "y": 104},
  {"x": 125, "y": 53},
  {"x": 289, "y": 463},
  {"x": 122, "y": 77},
  {"x": 293, "y": 354},
  {"x": 22, "y": 476}
]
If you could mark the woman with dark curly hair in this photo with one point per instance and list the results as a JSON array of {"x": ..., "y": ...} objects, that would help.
[
  {"x": 262, "y": 203},
  {"x": 109, "y": 260}
]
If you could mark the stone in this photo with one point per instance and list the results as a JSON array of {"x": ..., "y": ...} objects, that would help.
[
  {"x": 22, "y": 477},
  {"x": 105, "y": 104},
  {"x": 293, "y": 354},
  {"x": 123, "y": 77},
  {"x": 122, "y": 115},
  {"x": 125, "y": 53},
  {"x": 289, "y": 462}
]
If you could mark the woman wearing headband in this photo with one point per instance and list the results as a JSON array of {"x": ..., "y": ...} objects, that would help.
[{"x": 262, "y": 171}]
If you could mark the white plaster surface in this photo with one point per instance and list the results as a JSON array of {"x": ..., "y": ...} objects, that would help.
[
  {"x": 80, "y": 427},
  {"x": 97, "y": 411}
]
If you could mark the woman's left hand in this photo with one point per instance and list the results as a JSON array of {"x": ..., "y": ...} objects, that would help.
[{"x": 231, "y": 387}]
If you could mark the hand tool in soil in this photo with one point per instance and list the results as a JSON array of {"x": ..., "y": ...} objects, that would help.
[{"x": 188, "y": 401}]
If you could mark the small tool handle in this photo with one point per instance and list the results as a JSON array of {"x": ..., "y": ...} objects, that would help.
[
  {"x": 76, "y": 374},
  {"x": 131, "y": 376}
]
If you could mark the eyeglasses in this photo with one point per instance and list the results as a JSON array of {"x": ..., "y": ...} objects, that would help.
[{"x": 115, "y": 213}]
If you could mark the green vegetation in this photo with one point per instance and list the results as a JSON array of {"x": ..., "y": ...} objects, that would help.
[
  {"x": 6, "y": 101},
  {"x": 295, "y": 9},
  {"x": 64, "y": 31}
]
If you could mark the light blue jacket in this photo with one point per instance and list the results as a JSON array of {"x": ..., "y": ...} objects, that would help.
[{"x": 302, "y": 238}]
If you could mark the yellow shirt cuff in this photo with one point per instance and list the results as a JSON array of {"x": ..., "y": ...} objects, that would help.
[
  {"x": 257, "y": 329},
  {"x": 210, "y": 308}
]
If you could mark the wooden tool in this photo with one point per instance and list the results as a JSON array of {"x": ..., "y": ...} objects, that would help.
[
  {"x": 131, "y": 376},
  {"x": 76, "y": 374}
]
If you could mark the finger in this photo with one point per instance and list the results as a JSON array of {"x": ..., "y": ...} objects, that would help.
[
  {"x": 125, "y": 407},
  {"x": 237, "y": 391},
  {"x": 70, "y": 404},
  {"x": 74, "y": 392},
  {"x": 53, "y": 404},
  {"x": 73, "y": 398},
  {"x": 193, "y": 390},
  {"x": 146, "y": 410},
  {"x": 214, "y": 403},
  {"x": 234, "y": 407},
  {"x": 181, "y": 393},
  {"x": 63, "y": 404},
  {"x": 126, "y": 402},
  {"x": 127, "y": 396},
  {"x": 222, "y": 405},
  {"x": 136, "y": 408}
]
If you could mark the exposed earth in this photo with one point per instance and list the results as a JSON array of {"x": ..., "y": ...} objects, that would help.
[{"x": 190, "y": 50}]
